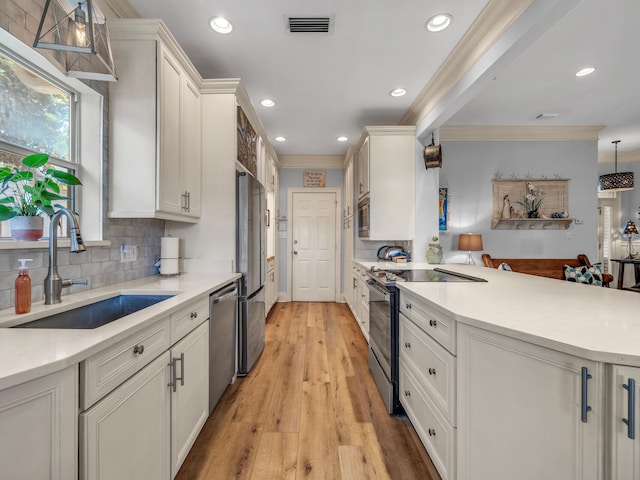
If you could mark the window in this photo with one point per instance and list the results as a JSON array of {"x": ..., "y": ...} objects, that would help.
[
  {"x": 37, "y": 115},
  {"x": 82, "y": 131}
]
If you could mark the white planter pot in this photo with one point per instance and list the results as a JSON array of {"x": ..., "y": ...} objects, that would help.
[{"x": 26, "y": 228}]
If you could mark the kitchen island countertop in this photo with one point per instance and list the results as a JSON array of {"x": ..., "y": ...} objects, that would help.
[
  {"x": 596, "y": 323},
  {"x": 26, "y": 354}
]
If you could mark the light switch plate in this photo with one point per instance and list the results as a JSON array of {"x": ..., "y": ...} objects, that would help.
[{"x": 128, "y": 253}]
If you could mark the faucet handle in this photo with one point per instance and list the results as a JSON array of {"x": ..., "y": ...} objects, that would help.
[{"x": 69, "y": 282}]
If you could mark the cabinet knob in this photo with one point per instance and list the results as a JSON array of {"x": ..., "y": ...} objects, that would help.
[
  {"x": 408, "y": 306},
  {"x": 194, "y": 314},
  {"x": 433, "y": 323},
  {"x": 432, "y": 432},
  {"x": 407, "y": 393},
  {"x": 407, "y": 345},
  {"x": 139, "y": 349},
  {"x": 432, "y": 371}
]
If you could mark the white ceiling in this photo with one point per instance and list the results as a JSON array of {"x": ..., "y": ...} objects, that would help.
[
  {"x": 541, "y": 80},
  {"x": 331, "y": 85}
]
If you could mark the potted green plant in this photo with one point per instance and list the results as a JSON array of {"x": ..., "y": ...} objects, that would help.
[{"x": 28, "y": 192}]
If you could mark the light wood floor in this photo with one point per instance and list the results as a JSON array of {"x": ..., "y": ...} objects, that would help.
[{"x": 309, "y": 409}]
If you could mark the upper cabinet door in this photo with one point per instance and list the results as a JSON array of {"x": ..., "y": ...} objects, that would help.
[
  {"x": 170, "y": 194},
  {"x": 191, "y": 173},
  {"x": 155, "y": 122},
  {"x": 363, "y": 170}
]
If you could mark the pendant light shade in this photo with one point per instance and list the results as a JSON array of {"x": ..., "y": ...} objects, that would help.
[
  {"x": 81, "y": 34},
  {"x": 616, "y": 182}
]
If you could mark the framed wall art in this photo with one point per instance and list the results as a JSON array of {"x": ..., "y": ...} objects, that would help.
[
  {"x": 247, "y": 143},
  {"x": 443, "y": 213}
]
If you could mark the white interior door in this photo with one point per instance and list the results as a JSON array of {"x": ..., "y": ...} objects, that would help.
[{"x": 314, "y": 246}]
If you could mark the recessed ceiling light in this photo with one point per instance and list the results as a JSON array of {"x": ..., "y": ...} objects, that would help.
[
  {"x": 267, "y": 102},
  {"x": 343, "y": 139},
  {"x": 220, "y": 25},
  {"x": 583, "y": 72},
  {"x": 281, "y": 139},
  {"x": 438, "y": 22},
  {"x": 398, "y": 92}
]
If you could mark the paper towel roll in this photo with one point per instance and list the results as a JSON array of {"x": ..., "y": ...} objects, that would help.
[
  {"x": 169, "y": 247},
  {"x": 169, "y": 266}
]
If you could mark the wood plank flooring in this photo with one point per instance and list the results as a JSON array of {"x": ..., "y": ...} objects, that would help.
[{"x": 309, "y": 409}]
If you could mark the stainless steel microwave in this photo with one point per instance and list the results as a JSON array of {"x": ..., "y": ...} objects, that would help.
[{"x": 363, "y": 218}]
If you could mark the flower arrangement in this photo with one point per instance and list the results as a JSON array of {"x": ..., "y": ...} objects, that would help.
[{"x": 532, "y": 200}]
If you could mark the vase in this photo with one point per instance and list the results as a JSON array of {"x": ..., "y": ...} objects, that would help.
[
  {"x": 26, "y": 227},
  {"x": 434, "y": 252}
]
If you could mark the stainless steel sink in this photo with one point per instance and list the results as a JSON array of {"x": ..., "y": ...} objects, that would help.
[{"x": 96, "y": 314}]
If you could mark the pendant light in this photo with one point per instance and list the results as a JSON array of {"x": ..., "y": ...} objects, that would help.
[
  {"x": 616, "y": 182},
  {"x": 81, "y": 34}
]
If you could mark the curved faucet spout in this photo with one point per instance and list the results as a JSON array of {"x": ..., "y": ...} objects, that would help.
[{"x": 53, "y": 283}]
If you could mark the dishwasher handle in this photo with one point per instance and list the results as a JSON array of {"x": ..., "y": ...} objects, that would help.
[{"x": 224, "y": 294}]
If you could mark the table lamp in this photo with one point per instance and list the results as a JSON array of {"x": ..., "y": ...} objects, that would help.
[
  {"x": 471, "y": 242},
  {"x": 629, "y": 230}
]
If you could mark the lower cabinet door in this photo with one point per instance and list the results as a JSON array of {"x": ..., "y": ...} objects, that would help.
[
  {"x": 126, "y": 435},
  {"x": 190, "y": 397},
  {"x": 625, "y": 423},
  {"x": 38, "y": 428},
  {"x": 526, "y": 412}
]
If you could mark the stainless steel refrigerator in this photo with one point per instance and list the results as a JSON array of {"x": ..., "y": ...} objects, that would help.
[{"x": 251, "y": 262}]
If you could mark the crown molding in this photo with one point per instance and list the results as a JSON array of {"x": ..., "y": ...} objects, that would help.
[
  {"x": 519, "y": 133},
  {"x": 311, "y": 161},
  {"x": 491, "y": 24},
  {"x": 351, "y": 151},
  {"x": 117, "y": 9},
  {"x": 631, "y": 156}
]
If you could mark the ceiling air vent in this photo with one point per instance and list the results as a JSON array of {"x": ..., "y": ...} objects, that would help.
[{"x": 305, "y": 24}]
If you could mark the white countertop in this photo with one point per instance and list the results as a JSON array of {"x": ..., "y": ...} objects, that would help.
[
  {"x": 596, "y": 323},
  {"x": 26, "y": 354}
]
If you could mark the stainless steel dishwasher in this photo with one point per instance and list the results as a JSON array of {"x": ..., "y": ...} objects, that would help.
[{"x": 223, "y": 309}]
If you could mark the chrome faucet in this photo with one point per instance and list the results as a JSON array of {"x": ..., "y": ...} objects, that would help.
[{"x": 53, "y": 283}]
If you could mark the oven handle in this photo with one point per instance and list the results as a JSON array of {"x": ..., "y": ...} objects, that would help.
[{"x": 374, "y": 286}]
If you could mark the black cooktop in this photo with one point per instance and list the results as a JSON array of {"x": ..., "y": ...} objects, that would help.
[{"x": 436, "y": 275}]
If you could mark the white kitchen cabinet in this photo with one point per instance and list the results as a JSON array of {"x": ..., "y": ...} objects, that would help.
[
  {"x": 624, "y": 401},
  {"x": 38, "y": 428},
  {"x": 155, "y": 125},
  {"x": 146, "y": 398},
  {"x": 271, "y": 285},
  {"x": 427, "y": 376},
  {"x": 347, "y": 227},
  {"x": 127, "y": 434},
  {"x": 363, "y": 163},
  {"x": 386, "y": 170},
  {"x": 361, "y": 300},
  {"x": 190, "y": 392},
  {"x": 525, "y": 411}
]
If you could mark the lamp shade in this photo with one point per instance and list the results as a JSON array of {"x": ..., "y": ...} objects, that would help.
[
  {"x": 630, "y": 228},
  {"x": 616, "y": 182},
  {"x": 81, "y": 33},
  {"x": 471, "y": 242}
]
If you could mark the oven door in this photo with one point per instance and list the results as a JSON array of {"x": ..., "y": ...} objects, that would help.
[{"x": 380, "y": 325}]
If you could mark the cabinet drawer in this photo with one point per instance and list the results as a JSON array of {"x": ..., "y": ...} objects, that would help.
[
  {"x": 107, "y": 369},
  {"x": 435, "y": 323},
  {"x": 188, "y": 318},
  {"x": 432, "y": 366},
  {"x": 437, "y": 435}
]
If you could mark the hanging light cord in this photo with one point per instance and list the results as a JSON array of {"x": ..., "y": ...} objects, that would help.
[{"x": 616, "y": 142}]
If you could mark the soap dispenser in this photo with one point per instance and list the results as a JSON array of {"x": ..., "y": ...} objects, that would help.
[{"x": 23, "y": 288}]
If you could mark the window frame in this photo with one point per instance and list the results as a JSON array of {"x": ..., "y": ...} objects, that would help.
[{"x": 87, "y": 134}]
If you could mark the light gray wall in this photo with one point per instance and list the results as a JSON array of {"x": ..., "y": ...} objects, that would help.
[
  {"x": 469, "y": 167},
  {"x": 99, "y": 265},
  {"x": 293, "y": 178}
]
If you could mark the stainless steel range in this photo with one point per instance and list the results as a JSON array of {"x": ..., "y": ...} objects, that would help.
[{"x": 384, "y": 323}]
